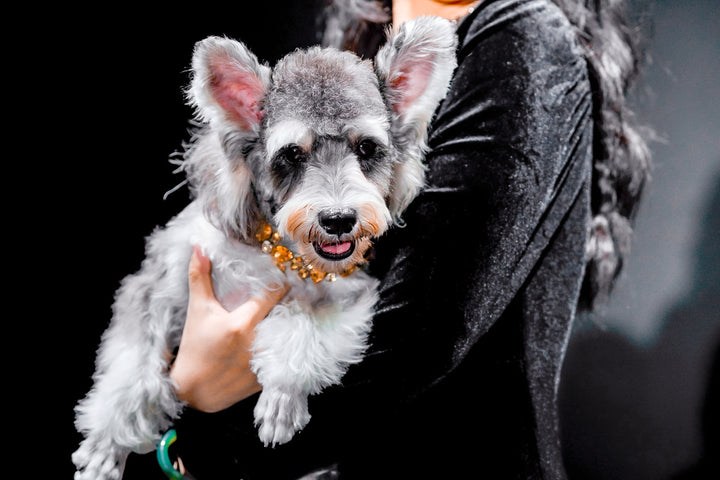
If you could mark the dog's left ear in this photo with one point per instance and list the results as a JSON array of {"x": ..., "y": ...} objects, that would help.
[
  {"x": 228, "y": 84},
  {"x": 414, "y": 67}
]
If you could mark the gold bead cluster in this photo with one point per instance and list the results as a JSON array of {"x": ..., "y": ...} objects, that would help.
[{"x": 269, "y": 240}]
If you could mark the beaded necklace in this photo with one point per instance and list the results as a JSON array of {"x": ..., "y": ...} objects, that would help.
[{"x": 283, "y": 257}]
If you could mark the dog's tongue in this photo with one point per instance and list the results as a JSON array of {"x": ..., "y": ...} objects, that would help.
[{"x": 336, "y": 248}]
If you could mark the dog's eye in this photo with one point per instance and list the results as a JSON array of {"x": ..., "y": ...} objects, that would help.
[
  {"x": 366, "y": 149},
  {"x": 292, "y": 154}
]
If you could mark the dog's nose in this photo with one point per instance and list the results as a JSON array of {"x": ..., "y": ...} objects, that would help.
[{"x": 337, "y": 222}]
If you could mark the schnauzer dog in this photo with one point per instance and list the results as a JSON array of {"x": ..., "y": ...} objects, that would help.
[{"x": 293, "y": 172}]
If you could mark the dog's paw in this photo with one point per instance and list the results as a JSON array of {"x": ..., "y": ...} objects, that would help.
[
  {"x": 279, "y": 415},
  {"x": 99, "y": 460}
]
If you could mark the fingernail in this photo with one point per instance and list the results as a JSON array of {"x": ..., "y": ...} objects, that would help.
[
  {"x": 278, "y": 290},
  {"x": 202, "y": 258}
]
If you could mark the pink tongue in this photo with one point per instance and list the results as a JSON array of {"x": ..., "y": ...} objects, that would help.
[{"x": 336, "y": 248}]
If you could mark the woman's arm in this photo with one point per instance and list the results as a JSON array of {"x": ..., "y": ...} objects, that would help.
[
  {"x": 212, "y": 368},
  {"x": 510, "y": 152}
]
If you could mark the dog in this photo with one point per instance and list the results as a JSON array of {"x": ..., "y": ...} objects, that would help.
[{"x": 293, "y": 171}]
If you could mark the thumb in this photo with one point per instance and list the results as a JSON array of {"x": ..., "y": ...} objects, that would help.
[
  {"x": 199, "y": 277},
  {"x": 258, "y": 307}
]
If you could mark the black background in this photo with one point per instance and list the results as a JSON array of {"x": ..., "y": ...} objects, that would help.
[
  {"x": 96, "y": 107},
  {"x": 109, "y": 112}
]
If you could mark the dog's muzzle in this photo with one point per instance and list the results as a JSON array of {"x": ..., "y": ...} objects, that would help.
[{"x": 338, "y": 223}]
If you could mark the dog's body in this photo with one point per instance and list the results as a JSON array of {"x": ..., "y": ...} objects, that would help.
[{"x": 325, "y": 147}]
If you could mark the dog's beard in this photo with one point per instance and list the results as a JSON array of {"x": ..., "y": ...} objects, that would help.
[{"x": 331, "y": 253}]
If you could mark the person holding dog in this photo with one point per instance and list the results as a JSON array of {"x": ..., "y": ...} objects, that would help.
[{"x": 534, "y": 172}]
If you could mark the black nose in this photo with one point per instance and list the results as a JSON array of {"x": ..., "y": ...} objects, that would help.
[{"x": 337, "y": 222}]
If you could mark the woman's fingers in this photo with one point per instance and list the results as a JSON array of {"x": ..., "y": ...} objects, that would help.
[
  {"x": 251, "y": 312},
  {"x": 212, "y": 368},
  {"x": 199, "y": 277}
]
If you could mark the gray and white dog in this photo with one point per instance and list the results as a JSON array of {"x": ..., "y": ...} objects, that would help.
[{"x": 294, "y": 171}]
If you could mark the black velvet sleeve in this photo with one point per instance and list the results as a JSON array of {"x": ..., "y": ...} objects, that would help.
[{"x": 510, "y": 147}]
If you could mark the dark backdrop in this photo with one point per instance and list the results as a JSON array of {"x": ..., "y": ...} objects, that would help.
[
  {"x": 114, "y": 83},
  {"x": 108, "y": 112}
]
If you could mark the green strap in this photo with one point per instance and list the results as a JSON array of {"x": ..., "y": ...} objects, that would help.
[{"x": 163, "y": 456}]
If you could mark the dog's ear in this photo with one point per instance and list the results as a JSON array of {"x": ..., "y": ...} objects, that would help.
[
  {"x": 414, "y": 68},
  {"x": 227, "y": 90},
  {"x": 228, "y": 83}
]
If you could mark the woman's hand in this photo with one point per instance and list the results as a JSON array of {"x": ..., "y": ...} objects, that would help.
[{"x": 212, "y": 367}]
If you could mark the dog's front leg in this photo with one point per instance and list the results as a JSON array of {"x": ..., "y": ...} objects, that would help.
[
  {"x": 280, "y": 413},
  {"x": 280, "y": 363}
]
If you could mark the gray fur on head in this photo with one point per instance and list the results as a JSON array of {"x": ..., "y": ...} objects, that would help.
[{"x": 248, "y": 108}]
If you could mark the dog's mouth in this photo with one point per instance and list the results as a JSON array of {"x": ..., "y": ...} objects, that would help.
[{"x": 334, "y": 250}]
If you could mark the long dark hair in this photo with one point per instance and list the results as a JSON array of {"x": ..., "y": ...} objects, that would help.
[{"x": 621, "y": 155}]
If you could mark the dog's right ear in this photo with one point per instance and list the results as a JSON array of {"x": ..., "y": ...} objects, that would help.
[{"x": 228, "y": 84}]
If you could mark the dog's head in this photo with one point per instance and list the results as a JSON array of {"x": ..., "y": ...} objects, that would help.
[{"x": 326, "y": 146}]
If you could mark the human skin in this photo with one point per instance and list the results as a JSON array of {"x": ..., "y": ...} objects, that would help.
[
  {"x": 212, "y": 368},
  {"x": 404, "y": 10}
]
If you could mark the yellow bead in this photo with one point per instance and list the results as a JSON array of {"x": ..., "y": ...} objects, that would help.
[
  {"x": 263, "y": 232},
  {"x": 303, "y": 273},
  {"x": 296, "y": 263},
  {"x": 281, "y": 254},
  {"x": 317, "y": 276},
  {"x": 275, "y": 237},
  {"x": 348, "y": 272}
]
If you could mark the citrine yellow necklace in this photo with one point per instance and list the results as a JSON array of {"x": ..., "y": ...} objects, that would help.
[{"x": 283, "y": 257}]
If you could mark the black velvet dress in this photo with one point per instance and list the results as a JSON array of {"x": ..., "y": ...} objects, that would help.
[{"x": 479, "y": 289}]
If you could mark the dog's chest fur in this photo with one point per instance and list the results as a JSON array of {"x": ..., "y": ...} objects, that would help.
[{"x": 329, "y": 318}]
